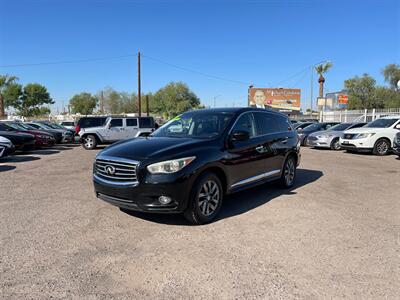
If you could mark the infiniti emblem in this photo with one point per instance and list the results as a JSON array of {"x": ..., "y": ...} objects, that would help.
[{"x": 110, "y": 170}]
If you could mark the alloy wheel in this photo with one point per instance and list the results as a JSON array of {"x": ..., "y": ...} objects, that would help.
[
  {"x": 209, "y": 197},
  {"x": 382, "y": 147},
  {"x": 89, "y": 142},
  {"x": 336, "y": 145},
  {"x": 289, "y": 172}
]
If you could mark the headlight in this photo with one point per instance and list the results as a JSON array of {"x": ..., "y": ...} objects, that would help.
[
  {"x": 170, "y": 166},
  {"x": 363, "y": 135}
]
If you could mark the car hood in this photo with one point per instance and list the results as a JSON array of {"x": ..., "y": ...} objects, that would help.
[
  {"x": 365, "y": 130},
  {"x": 149, "y": 147},
  {"x": 16, "y": 135}
]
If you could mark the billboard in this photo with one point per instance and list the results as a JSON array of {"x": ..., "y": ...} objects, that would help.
[
  {"x": 276, "y": 98},
  {"x": 343, "y": 101}
]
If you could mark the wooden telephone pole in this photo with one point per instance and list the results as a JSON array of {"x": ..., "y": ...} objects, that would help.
[
  {"x": 139, "y": 88},
  {"x": 147, "y": 105}
]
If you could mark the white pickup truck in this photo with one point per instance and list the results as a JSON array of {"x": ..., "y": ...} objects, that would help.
[{"x": 116, "y": 129}]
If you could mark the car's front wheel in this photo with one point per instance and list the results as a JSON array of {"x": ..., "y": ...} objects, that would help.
[
  {"x": 206, "y": 200},
  {"x": 381, "y": 147},
  {"x": 288, "y": 176},
  {"x": 335, "y": 145},
  {"x": 89, "y": 142}
]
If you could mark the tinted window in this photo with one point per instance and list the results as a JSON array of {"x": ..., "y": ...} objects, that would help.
[
  {"x": 264, "y": 123},
  {"x": 382, "y": 123},
  {"x": 340, "y": 127},
  {"x": 131, "y": 122},
  {"x": 357, "y": 125},
  {"x": 146, "y": 123},
  {"x": 245, "y": 123},
  {"x": 116, "y": 123},
  {"x": 91, "y": 122}
]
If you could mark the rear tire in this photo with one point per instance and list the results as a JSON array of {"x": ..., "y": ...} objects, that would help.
[
  {"x": 205, "y": 200},
  {"x": 288, "y": 176},
  {"x": 89, "y": 142},
  {"x": 335, "y": 145},
  {"x": 381, "y": 147}
]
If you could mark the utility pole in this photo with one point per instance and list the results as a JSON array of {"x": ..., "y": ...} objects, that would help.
[
  {"x": 101, "y": 102},
  {"x": 147, "y": 105},
  {"x": 139, "y": 88},
  {"x": 311, "y": 91}
]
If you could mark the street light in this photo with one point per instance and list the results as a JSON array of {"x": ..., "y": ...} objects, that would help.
[{"x": 215, "y": 98}]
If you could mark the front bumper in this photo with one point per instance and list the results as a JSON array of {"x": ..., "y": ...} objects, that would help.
[
  {"x": 355, "y": 145},
  {"x": 144, "y": 196},
  {"x": 318, "y": 142}
]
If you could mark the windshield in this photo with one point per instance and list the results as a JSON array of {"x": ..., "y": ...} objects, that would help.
[
  {"x": 15, "y": 126},
  {"x": 195, "y": 125},
  {"x": 340, "y": 127},
  {"x": 43, "y": 126},
  {"x": 381, "y": 123},
  {"x": 26, "y": 126},
  {"x": 312, "y": 127}
]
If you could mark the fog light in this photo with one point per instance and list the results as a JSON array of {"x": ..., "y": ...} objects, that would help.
[{"x": 164, "y": 199}]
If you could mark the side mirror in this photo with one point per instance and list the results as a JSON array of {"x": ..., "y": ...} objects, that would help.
[
  {"x": 240, "y": 135},
  {"x": 397, "y": 126}
]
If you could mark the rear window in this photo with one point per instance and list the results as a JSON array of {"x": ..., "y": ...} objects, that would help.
[
  {"x": 67, "y": 123},
  {"x": 131, "y": 122},
  {"x": 92, "y": 122},
  {"x": 269, "y": 123},
  {"x": 146, "y": 123}
]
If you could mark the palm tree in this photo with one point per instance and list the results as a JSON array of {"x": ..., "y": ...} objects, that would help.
[
  {"x": 5, "y": 82},
  {"x": 321, "y": 70}
]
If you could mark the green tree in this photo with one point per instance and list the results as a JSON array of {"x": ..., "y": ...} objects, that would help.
[
  {"x": 5, "y": 82},
  {"x": 321, "y": 70},
  {"x": 31, "y": 101},
  {"x": 386, "y": 97},
  {"x": 392, "y": 75},
  {"x": 83, "y": 103},
  {"x": 173, "y": 99},
  {"x": 361, "y": 92}
]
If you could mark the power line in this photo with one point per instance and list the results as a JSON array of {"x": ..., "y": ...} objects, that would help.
[
  {"x": 196, "y": 72},
  {"x": 67, "y": 61}
]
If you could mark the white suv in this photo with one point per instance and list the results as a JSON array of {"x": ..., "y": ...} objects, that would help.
[
  {"x": 377, "y": 136},
  {"x": 116, "y": 129}
]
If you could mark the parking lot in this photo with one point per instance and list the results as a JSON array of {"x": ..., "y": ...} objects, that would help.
[{"x": 336, "y": 234}]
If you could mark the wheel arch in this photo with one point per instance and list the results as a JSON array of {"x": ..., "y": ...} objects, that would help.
[
  {"x": 98, "y": 139},
  {"x": 384, "y": 138}
]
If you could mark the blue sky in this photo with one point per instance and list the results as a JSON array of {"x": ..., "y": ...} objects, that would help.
[{"x": 268, "y": 43}]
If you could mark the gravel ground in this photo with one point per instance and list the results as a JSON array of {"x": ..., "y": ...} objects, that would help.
[{"x": 335, "y": 235}]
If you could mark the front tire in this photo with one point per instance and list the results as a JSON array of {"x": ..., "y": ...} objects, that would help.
[
  {"x": 381, "y": 147},
  {"x": 89, "y": 142},
  {"x": 335, "y": 145},
  {"x": 288, "y": 176},
  {"x": 206, "y": 200}
]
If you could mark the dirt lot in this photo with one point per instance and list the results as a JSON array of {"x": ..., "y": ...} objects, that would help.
[{"x": 336, "y": 234}]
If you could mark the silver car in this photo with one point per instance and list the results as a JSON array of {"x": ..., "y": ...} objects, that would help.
[{"x": 330, "y": 138}]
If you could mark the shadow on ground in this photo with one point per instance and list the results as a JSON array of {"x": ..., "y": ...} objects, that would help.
[
  {"x": 240, "y": 202},
  {"x": 4, "y": 168},
  {"x": 17, "y": 158}
]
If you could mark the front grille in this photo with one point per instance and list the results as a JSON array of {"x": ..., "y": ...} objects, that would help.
[
  {"x": 116, "y": 170},
  {"x": 349, "y": 136}
]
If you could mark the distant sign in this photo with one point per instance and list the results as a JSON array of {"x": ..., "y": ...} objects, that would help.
[
  {"x": 343, "y": 101},
  {"x": 280, "y": 99}
]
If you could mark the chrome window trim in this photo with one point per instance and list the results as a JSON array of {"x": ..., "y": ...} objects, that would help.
[{"x": 255, "y": 178}]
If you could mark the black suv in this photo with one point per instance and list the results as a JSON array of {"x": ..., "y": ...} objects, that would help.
[{"x": 193, "y": 161}]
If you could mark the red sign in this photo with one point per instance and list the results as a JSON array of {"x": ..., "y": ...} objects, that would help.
[{"x": 343, "y": 99}]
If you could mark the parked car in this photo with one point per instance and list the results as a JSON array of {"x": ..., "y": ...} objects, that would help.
[
  {"x": 69, "y": 132},
  {"x": 189, "y": 164},
  {"x": 116, "y": 129},
  {"x": 21, "y": 141},
  {"x": 88, "y": 122},
  {"x": 61, "y": 136},
  {"x": 6, "y": 147},
  {"x": 302, "y": 125},
  {"x": 330, "y": 138},
  {"x": 42, "y": 138},
  {"x": 396, "y": 144},
  {"x": 377, "y": 136},
  {"x": 68, "y": 124},
  {"x": 306, "y": 131}
]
